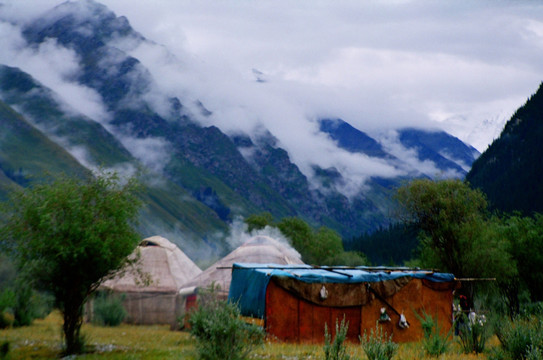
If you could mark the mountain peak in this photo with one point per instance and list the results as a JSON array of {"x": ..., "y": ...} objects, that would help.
[
  {"x": 350, "y": 138},
  {"x": 84, "y": 25}
]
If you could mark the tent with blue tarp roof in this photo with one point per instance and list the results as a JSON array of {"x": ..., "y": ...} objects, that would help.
[{"x": 317, "y": 293}]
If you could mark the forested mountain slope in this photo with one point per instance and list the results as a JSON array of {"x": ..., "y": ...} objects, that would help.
[{"x": 510, "y": 171}]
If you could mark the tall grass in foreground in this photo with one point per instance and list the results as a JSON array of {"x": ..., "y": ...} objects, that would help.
[
  {"x": 336, "y": 350},
  {"x": 378, "y": 346},
  {"x": 473, "y": 333},
  {"x": 220, "y": 332},
  {"x": 42, "y": 340},
  {"x": 521, "y": 339},
  {"x": 434, "y": 342}
]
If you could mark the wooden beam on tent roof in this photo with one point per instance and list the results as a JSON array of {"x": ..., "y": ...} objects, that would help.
[
  {"x": 335, "y": 268},
  {"x": 475, "y": 279}
]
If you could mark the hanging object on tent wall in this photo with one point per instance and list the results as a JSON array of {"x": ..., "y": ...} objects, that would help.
[
  {"x": 403, "y": 322},
  {"x": 323, "y": 293},
  {"x": 384, "y": 316}
]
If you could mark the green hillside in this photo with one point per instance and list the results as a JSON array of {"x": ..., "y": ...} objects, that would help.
[{"x": 26, "y": 154}]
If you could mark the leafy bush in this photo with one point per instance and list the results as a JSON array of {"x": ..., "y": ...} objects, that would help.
[
  {"x": 473, "y": 333},
  {"x": 4, "y": 349},
  {"x": 377, "y": 346},
  {"x": 7, "y": 302},
  {"x": 108, "y": 309},
  {"x": 6, "y": 319},
  {"x": 30, "y": 304},
  {"x": 434, "y": 343},
  {"x": 521, "y": 339},
  {"x": 220, "y": 332},
  {"x": 20, "y": 305},
  {"x": 534, "y": 353},
  {"x": 336, "y": 350},
  {"x": 532, "y": 309}
]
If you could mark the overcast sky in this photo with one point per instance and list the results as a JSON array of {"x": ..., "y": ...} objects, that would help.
[
  {"x": 462, "y": 66},
  {"x": 458, "y": 64}
]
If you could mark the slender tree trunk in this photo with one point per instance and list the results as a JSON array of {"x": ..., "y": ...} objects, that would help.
[
  {"x": 510, "y": 290},
  {"x": 73, "y": 319}
]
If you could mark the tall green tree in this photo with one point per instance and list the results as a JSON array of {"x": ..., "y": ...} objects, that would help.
[
  {"x": 259, "y": 221},
  {"x": 526, "y": 237},
  {"x": 300, "y": 235},
  {"x": 70, "y": 235},
  {"x": 457, "y": 233},
  {"x": 450, "y": 215},
  {"x": 322, "y": 246}
]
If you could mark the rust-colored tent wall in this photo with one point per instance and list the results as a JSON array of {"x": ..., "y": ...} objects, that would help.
[{"x": 289, "y": 318}]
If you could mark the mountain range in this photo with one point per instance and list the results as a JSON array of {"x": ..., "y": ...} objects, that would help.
[{"x": 198, "y": 178}]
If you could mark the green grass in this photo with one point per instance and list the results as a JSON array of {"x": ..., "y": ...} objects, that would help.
[{"x": 42, "y": 340}]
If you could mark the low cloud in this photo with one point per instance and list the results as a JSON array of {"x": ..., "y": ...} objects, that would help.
[
  {"x": 410, "y": 158},
  {"x": 154, "y": 153},
  {"x": 55, "y": 67},
  {"x": 377, "y": 65}
]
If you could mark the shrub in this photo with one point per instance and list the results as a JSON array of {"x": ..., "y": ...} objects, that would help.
[
  {"x": 220, "y": 332},
  {"x": 108, "y": 309},
  {"x": 336, "y": 350},
  {"x": 4, "y": 349},
  {"x": 522, "y": 338},
  {"x": 24, "y": 306},
  {"x": 30, "y": 304},
  {"x": 20, "y": 304},
  {"x": 7, "y": 302},
  {"x": 6, "y": 319},
  {"x": 472, "y": 333},
  {"x": 377, "y": 346},
  {"x": 434, "y": 343},
  {"x": 534, "y": 353}
]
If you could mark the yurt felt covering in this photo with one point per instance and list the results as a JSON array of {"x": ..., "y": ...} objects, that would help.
[
  {"x": 260, "y": 249},
  {"x": 297, "y": 301},
  {"x": 167, "y": 268}
]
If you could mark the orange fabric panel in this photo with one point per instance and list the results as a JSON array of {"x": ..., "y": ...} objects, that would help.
[
  {"x": 439, "y": 302},
  {"x": 352, "y": 316},
  {"x": 291, "y": 319},
  {"x": 281, "y": 314},
  {"x": 408, "y": 300},
  {"x": 312, "y": 319}
]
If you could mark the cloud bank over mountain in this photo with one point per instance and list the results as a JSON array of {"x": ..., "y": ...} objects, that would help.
[
  {"x": 279, "y": 66},
  {"x": 399, "y": 63}
]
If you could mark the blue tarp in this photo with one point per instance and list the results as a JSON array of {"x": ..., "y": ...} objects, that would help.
[{"x": 250, "y": 281}]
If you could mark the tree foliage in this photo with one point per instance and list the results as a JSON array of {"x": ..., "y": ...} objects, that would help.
[
  {"x": 322, "y": 246},
  {"x": 259, "y": 221},
  {"x": 393, "y": 245},
  {"x": 457, "y": 233},
  {"x": 69, "y": 235},
  {"x": 526, "y": 247},
  {"x": 451, "y": 216}
]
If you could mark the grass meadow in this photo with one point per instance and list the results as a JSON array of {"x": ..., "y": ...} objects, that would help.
[{"x": 42, "y": 340}]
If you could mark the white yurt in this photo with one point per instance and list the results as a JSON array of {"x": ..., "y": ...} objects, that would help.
[
  {"x": 259, "y": 249},
  {"x": 150, "y": 289}
]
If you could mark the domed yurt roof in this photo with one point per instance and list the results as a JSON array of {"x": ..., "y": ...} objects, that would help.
[
  {"x": 259, "y": 249},
  {"x": 162, "y": 262}
]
